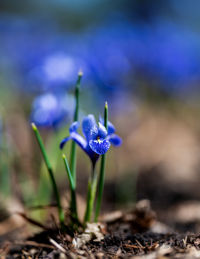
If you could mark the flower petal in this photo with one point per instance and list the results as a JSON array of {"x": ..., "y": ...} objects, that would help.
[
  {"x": 63, "y": 142},
  {"x": 89, "y": 127},
  {"x": 102, "y": 133},
  {"x": 115, "y": 140},
  {"x": 79, "y": 140},
  {"x": 99, "y": 146},
  {"x": 74, "y": 126},
  {"x": 111, "y": 127}
]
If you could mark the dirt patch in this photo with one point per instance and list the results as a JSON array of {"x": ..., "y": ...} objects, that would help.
[{"x": 134, "y": 234}]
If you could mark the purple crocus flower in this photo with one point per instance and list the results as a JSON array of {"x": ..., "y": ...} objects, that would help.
[{"x": 97, "y": 139}]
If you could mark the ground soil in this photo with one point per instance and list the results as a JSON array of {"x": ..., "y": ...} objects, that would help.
[{"x": 134, "y": 234}]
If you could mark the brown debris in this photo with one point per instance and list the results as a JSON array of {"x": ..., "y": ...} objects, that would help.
[{"x": 124, "y": 235}]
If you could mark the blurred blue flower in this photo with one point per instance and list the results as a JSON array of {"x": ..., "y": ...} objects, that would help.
[
  {"x": 116, "y": 56},
  {"x": 39, "y": 58},
  {"x": 107, "y": 56},
  {"x": 123, "y": 52},
  {"x": 49, "y": 110},
  {"x": 97, "y": 139},
  {"x": 175, "y": 60},
  {"x": 56, "y": 71}
]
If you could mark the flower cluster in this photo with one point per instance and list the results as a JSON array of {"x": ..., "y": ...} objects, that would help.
[{"x": 44, "y": 63}]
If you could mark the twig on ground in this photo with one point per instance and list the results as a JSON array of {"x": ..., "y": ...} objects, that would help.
[{"x": 58, "y": 246}]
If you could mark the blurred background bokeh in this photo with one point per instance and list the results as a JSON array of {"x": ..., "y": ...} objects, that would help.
[{"x": 143, "y": 57}]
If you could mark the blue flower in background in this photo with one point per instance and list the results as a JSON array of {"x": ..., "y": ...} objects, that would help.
[
  {"x": 39, "y": 58},
  {"x": 50, "y": 110},
  {"x": 56, "y": 71},
  {"x": 97, "y": 139},
  {"x": 116, "y": 56}
]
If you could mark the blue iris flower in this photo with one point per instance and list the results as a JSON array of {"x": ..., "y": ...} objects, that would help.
[
  {"x": 97, "y": 139},
  {"x": 49, "y": 110}
]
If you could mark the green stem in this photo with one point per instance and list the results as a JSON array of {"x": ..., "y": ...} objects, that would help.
[
  {"x": 76, "y": 115},
  {"x": 100, "y": 187},
  {"x": 102, "y": 171},
  {"x": 92, "y": 186},
  {"x": 51, "y": 175},
  {"x": 73, "y": 206}
]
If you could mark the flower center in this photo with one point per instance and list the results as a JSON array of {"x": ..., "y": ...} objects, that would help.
[{"x": 98, "y": 140}]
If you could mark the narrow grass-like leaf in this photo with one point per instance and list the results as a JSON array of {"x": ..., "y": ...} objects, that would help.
[
  {"x": 92, "y": 186},
  {"x": 102, "y": 170},
  {"x": 73, "y": 206},
  {"x": 71, "y": 180},
  {"x": 50, "y": 170},
  {"x": 76, "y": 117}
]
